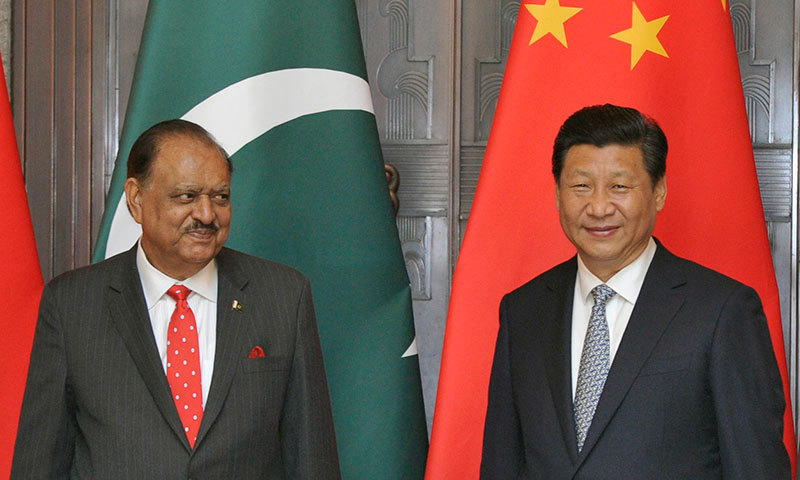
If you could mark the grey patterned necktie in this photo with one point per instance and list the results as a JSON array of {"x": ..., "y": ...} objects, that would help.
[{"x": 595, "y": 362}]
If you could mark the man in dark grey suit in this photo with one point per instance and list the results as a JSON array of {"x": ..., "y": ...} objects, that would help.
[
  {"x": 99, "y": 403},
  {"x": 627, "y": 362}
]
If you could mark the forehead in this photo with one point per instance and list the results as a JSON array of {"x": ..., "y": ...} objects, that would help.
[
  {"x": 610, "y": 159},
  {"x": 182, "y": 153}
]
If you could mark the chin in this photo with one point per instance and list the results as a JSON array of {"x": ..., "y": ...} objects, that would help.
[
  {"x": 203, "y": 257},
  {"x": 601, "y": 255}
]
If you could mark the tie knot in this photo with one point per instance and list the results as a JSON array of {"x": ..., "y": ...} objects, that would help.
[
  {"x": 178, "y": 292},
  {"x": 602, "y": 293}
]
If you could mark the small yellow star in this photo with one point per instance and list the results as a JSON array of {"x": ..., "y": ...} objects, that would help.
[
  {"x": 550, "y": 18},
  {"x": 642, "y": 36},
  {"x": 725, "y": 5}
]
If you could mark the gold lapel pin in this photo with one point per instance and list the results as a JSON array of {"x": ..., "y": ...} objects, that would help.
[{"x": 236, "y": 306}]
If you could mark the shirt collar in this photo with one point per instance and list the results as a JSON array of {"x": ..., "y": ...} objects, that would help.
[
  {"x": 627, "y": 282},
  {"x": 155, "y": 283}
]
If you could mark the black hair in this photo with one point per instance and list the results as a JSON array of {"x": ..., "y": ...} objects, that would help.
[
  {"x": 146, "y": 147},
  {"x": 602, "y": 125}
]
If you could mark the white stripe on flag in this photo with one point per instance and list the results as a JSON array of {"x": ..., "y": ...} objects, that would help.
[{"x": 245, "y": 110}]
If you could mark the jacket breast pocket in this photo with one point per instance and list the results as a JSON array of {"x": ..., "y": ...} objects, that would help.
[
  {"x": 666, "y": 364},
  {"x": 265, "y": 364}
]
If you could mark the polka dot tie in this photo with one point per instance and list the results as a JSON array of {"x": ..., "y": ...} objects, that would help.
[
  {"x": 595, "y": 363},
  {"x": 183, "y": 363}
]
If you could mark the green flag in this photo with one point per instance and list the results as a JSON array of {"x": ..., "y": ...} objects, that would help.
[{"x": 282, "y": 86}]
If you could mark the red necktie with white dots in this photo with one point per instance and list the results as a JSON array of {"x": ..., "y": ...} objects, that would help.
[{"x": 183, "y": 363}]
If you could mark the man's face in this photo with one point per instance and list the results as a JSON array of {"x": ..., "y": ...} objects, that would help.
[
  {"x": 607, "y": 205},
  {"x": 183, "y": 206}
]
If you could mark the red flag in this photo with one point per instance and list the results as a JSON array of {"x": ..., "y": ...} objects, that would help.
[
  {"x": 21, "y": 278},
  {"x": 674, "y": 61}
]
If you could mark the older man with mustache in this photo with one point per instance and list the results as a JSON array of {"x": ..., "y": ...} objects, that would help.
[{"x": 179, "y": 358}]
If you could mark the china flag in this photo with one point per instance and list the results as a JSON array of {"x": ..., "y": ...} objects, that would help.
[
  {"x": 674, "y": 61},
  {"x": 21, "y": 280}
]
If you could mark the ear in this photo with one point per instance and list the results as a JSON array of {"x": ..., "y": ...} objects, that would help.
[
  {"x": 133, "y": 197},
  {"x": 558, "y": 197},
  {"x": 660, "y": 193}
]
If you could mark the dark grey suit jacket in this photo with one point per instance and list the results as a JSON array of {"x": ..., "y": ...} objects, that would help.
[
  {"x": 97, "y": 403},
  {"x": 694, "y": 391}
]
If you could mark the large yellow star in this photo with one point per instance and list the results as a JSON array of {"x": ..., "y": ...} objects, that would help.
[
  {"x": 642, "y": 36},
  {"x": 550, "y": 18}
]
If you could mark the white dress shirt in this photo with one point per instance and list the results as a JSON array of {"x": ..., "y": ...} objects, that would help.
[
  {"x": 202, "y": 301},
  {"x": 627, "y": 283}
]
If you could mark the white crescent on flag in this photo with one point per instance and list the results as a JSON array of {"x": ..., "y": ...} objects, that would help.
[{"x": 245, "y": 110}]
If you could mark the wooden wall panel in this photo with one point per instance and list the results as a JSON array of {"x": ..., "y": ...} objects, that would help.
[
  {"x": 34, "y": 77},
  {"x": 53, "y": 108}
]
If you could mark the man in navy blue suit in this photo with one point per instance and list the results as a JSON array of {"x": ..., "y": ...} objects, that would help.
[{"x": 627, "y": 362}]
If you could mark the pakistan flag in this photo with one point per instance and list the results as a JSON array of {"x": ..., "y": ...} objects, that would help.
[{"x": 282, "y": 86}]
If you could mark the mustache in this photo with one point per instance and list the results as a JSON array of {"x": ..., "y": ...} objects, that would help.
[{"x": 200, "y": 226}]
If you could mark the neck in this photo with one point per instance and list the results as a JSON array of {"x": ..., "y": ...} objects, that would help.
[
  {"x": 177, "y": 272},
  {"x": 604, "y": 270}
]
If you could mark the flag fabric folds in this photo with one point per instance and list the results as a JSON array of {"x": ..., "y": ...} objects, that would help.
[
  {"x": 21, "y": 277},
  {"x": 674, "y": 61},
  {"x": 282, "y": 86}
]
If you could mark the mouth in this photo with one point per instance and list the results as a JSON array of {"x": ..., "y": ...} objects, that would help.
[
  {"x": 202, "y": 232},
  {"x": 201, "y": 235},
  {"x": 602, "y": 231}
]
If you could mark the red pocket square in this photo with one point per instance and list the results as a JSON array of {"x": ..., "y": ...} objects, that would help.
[{"x": 256, "y": 352}]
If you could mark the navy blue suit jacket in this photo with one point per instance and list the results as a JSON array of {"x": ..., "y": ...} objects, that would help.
[{"x": 694, "y": 391}]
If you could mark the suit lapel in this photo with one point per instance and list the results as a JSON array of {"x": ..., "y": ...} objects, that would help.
[
  {"x": 231, "y": 335},
  {"x": 557, "y": 346},
  {"x": 128, "y": 312},
  {"x": 655, "y": 308}
]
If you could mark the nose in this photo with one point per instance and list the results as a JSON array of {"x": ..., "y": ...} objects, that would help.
[
  {"x": 203, "y": 210},
  {"x": 600, "y": 204}
]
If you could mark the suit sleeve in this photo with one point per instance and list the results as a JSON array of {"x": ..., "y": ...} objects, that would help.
[
  {"x": 502, "y": 438},
  {"x": 747, "y": 392},
  {"x": 46, "y": 434},
  {"x": 308, "y": 440}
]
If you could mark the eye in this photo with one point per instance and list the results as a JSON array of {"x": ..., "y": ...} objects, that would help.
[
  {"x": 221, "y": 198},
  {"x": 186, "y": 197},
  {"x": 620, "y": 186}
]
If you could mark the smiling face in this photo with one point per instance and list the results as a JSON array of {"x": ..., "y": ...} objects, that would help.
[
  {"x": 183, "y": 205},
  {"x": 607, "y": 205}
]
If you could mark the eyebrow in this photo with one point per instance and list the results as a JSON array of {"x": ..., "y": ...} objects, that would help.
[
  {"x": 614, "y": 174},
  {"x": 196, "y": 188}
]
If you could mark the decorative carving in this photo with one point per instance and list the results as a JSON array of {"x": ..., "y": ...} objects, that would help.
[
  {"x": 470, "y": 169},
  {"x": 488, "y": 95},
  {"x": 757, "y": 99},
  {"x": 406, "y": 81},
  {"x": 490, "y": 70},
  {"x": 415, "y": 84},
  {"x": 774, "y": 167},
  {"x": 397, "y": 11},
  {"x": 740, "y": 17},
  {"x": 758, "y": 76},
  {"x": 426, "y": 176},
  {"x": 415, "y": 235},
  {"x": 508, "y": 20}
]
